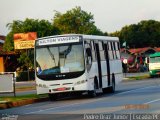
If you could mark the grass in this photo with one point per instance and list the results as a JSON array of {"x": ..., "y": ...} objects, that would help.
[
  {"x": 25, "y": 88},
  {"x": 22, "y": 97},
  {"x": 139, "y": 77}
]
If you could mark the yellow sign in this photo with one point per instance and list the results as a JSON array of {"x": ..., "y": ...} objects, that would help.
[
  {"x": 24, "y": 40},
  {"x": 19, "y": 44}
]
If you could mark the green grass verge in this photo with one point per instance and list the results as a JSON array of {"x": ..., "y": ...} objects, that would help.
[
  {"x": 25, "y": 88},
  {"x": 22, "y": 97},
  {"x": 139, "y": 77}
]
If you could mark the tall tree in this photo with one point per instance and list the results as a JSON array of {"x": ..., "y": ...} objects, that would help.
[
  {"x": 144, "y": 34},
  {"x": 75, "y": 21},
  {"x": 42, "y": 27}
]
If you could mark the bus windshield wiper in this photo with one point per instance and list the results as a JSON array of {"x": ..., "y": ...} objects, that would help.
[
  {"x": 66, "y": 52},
  {"x": 52, "y": 55}
]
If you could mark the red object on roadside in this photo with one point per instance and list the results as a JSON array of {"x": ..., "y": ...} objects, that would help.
[{"x": 141, "y": 60}]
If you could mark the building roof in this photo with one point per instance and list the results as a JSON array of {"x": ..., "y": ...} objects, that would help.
[
  {"x": 124, "y": 50},
  {"x": 140, "y": 50},
  {"x": 157, "y": 49},
  {"x": 137, "y": 51}
]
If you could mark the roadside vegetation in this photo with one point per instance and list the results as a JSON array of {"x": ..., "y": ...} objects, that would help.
[
  {"x": 138, "y": 77},
  {"x": 21, "y": 97},
  {"x": 25, "y": 88},
  {"x": 143, "y": 34}
]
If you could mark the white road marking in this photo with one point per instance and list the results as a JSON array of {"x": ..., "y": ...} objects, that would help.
[
  {"x": 53, "y": 108},
  {"x": 135, "y": 90},
  {"x": 156, "y": 100}
]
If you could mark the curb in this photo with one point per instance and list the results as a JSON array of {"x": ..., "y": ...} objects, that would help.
[{"x": 9, "y": 104}]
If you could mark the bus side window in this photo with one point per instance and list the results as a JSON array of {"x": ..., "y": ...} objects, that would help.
[
  {"x": 88, "y": 56},
  {"x": 93, "y": 51},
  {"x": 117, "y": 50},
  {"x": 88, "y": 51},
  {"x": 101, "y": 48},
  {"x": 114, "y": 49},
  {"x": 110, "y": 51}
]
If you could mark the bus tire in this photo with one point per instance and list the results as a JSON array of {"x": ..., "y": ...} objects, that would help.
[
  {"x": 112, "y": 88},
  {"x": 105, "y": 90},
  {"x": 152, "y": 76},
  {"x": 92, "y": 93},
  {"x": 52, "y": 97}
]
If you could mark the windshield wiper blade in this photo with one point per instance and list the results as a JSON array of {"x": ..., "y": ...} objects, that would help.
[
  {"x": 66, "y": 52},
  {"x": 51, "y": 54}
]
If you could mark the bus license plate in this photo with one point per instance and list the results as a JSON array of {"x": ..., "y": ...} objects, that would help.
[{"x": 61, "y": 89}]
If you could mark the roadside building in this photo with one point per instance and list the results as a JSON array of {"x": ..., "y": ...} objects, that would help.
[
  {"x": 136, "y": 58},
  {"x": 8, "y": 60},
  {"x": 2, "y": 38}
]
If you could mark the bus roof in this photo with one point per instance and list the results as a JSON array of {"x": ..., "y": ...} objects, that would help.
[
  {"x": 157, "y": 54},
  {"x": 90, "y": 37},
  {"x": 96, "y": 37}
]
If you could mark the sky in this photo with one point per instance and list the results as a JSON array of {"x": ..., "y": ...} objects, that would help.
[{"x": 109, "y": 15}]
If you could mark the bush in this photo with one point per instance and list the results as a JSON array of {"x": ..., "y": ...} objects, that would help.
[{"x": 23, "y": 76}]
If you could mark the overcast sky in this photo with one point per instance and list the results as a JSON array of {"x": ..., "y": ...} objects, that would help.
[{"x": 109, "y": 15}]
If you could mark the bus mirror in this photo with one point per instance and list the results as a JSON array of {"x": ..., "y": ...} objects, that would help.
[{"x": 88, "y": 51}]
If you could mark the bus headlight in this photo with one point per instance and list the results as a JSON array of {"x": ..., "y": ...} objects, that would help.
[
  {"x": 42, "y": 85},
  {"x": 80, "y": 82},
  {"x": 45, "y": 86}
]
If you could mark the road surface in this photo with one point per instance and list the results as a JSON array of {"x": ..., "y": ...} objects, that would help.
[{"x": 142, "y": 96}]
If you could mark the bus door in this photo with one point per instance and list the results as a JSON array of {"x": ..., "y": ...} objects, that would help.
[
  {"x": 99, "y": 64},
  {"x": 107, "y": 63}
]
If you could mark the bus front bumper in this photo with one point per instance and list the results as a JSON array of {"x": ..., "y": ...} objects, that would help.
[{"x": 75, "y": 88}]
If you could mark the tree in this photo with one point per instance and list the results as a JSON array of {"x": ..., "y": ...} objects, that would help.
[
  {"x": 75, "y": 21},
  {"x": 144, "y": 34},
  {"x": 42, "y": 27}
]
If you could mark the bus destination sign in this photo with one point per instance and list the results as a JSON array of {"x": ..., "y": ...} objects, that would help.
[{"x": 59, "y": 40}]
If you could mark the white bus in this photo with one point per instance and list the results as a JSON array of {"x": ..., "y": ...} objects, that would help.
[{"x": 76, "y": 63}]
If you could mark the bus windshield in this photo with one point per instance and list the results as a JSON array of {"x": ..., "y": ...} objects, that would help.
[
  {"x": 59, "y": 60},
  {"x": 154, "y": 60}
]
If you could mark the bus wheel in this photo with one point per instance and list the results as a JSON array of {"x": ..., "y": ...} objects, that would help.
[
  {"x": 112, "y": 88},
  {"x": 53, "y": 97},
  {"x": 92, "y": 93},
  {"x": 105, "y": 90},
  {"x": 152, "y": 76}
]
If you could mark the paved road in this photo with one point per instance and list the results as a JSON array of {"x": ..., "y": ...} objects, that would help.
[
  {"x": 131, "y": 97},
  {"x": 32, "y": 84}
]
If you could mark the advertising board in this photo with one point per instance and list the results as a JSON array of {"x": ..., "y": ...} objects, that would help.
[
  {"x": 6, "y": 83},
  {"x": 24, "y": 40}
]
